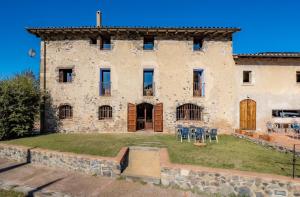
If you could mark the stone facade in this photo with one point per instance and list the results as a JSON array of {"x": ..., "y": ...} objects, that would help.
[
  {"x": 173, "y": 61},
  {"x": 93, "y": 165}
]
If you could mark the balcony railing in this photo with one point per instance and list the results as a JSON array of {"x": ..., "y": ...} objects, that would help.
[
  {"x": 105, "y": 88},
  {"x": 106, "y": 46},
  {"x": 148, "y": 46},
  {"x": 148, "y": 89},
  {"x": 198, "y": 89}
]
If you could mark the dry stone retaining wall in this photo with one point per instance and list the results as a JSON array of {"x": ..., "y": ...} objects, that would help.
[{"x": 103, "y": 166}]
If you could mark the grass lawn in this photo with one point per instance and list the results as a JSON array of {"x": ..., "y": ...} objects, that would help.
[
  {"x": 7, "y": 193},
  {"x": 229, "y": 153}
]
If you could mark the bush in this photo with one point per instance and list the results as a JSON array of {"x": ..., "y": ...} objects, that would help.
[{"x": 19, "y": 105}]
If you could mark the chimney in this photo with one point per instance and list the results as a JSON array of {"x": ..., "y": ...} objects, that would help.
[{"x": 98, "y": 18}]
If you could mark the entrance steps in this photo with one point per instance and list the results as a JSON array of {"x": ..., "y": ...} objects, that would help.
[{"x": 143, "y": 164}]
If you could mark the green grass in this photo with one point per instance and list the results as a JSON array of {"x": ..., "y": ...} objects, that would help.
[
  {"x": 229, "y": 153},
  {"x": 9, "y": 193}
]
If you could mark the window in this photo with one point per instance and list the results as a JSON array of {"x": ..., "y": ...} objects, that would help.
[
  {"x": 105, "y": 112},
  {"x": 93, "y": 40},
  {"x": 189, "y": 112},
  {"x": 298, "y": 76},
  {"x": 65, "y": 75},
  {"x": 148, "y": 85},
  {"x": 282, "y": 113},
  {"x": 149, "y": 43},
  {"x": 247, "y": 76},
  {"x": 105, "y": 43},
  {"x": 65, "y": 112},
  {"x": 197, "y": 45},
  {"x": 198, "y": 85},
  {"x": 105, "y": 83}
]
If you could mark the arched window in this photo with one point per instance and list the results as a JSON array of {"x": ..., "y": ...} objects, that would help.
[
  {"x": 65, "y": 112},
  {"x": 105, "y": 112},
  {"x": 188, "y": 112}
]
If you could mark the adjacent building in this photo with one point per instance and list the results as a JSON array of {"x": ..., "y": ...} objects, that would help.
[{"x": 127, "y": 79}]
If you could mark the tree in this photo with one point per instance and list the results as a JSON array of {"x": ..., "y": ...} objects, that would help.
[{"x": 19, "y": 105}]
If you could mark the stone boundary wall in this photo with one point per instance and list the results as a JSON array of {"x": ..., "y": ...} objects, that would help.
[
  {"x": 267, "y": 144},
  {"x": 225, "y": 182},
  {"x": 93, "y": 165}
]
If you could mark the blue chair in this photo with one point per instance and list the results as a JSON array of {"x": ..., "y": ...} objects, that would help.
[
  {"x": 296, "y": 128},
  {"x": 185, "y": 134},
  {"x": 178, "y": 129},
  {"x": 213, "y": 135},
  {"x": 192, "y": 132},
  {"x": 199, "y": 134}
]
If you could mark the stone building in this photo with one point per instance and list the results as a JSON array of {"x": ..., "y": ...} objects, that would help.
[{"x": 127, "y": 79}]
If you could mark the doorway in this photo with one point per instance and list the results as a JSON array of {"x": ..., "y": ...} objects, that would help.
[
  {"x": 144, "y": 116},
  {"x": 248, "y": 114}
]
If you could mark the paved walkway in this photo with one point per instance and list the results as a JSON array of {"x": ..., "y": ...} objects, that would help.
[
  {"x": 286, "y": 139},
  {"x": 40, "y": 181}
]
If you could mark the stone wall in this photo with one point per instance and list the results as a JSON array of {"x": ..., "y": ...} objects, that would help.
[
  {"x": 226, "y": 182},
  {"x": 173, "y": 61},
  {"x": 277, "y": 147},
  {"x": 93, "y": 165}
]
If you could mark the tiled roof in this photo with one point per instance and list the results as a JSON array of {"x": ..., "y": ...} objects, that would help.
[
  {"x": 139, "y": 27},
  {"x": 40, "y": 31},
  {"x": 269, "y": 55}
]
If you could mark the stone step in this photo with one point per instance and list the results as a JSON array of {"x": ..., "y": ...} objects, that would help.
[{"x": 143, "y": 164}]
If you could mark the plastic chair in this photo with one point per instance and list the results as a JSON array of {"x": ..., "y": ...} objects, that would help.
[
  {"x": 199, "y": 134},
  {"x": 214, "y": 135},
  {"x": 185, "y": 134}
]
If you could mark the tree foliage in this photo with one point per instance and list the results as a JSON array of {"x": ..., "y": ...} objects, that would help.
[{"x": 19, "y": 105}]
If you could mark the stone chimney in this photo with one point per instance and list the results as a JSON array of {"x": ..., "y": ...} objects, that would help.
[{"x": 99, "y": 18}]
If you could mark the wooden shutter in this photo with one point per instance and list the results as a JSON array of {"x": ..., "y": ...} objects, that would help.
[
  {"x": 158, "y": 117},
  {"x": 131, "y": 122},
  {"x": 61, "y": 76}
]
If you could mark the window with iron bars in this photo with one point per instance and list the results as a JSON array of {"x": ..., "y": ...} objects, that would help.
[
  {"x": 65, "y": 112},
  {"x": 105, "y": 112},
  {"x": 189, "y": 112}
]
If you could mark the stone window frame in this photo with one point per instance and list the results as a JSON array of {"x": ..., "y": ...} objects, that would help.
[
  {"x": 252, "y": 79},
  {"x": 186, "y": 107},
  {"x": 106, "y": 113},
  {"x": 65, "y": 117},
  {"x": 298, "y": 75},
  {"x": 65, "y": 67}
]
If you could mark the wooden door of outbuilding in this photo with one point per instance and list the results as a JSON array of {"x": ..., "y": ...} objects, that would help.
[{"x": 248, "y": 114}]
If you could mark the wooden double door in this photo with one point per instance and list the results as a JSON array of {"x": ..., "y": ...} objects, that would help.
[
  {"x": 133, "y": 120},
  {"x": 248, "y": 114}
]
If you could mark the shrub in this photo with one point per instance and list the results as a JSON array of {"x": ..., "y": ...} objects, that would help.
[{"x": 19, "y": 105}]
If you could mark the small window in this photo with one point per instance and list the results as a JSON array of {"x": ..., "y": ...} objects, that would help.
[
  {"x": 65, "y": 75},
  {"x": 189, "y": 112},
  {"x": 148, "y": 85},
  {"x": 197, "y": 45},
  {"x": 283, "y": 113},
  {"x": 105, "y": 43},
  {"x": 93, "y": 40},
  {"x": 149, "y": 43},
  {"x": 105, "y": 83},
  {"x": 105, "y": 112},
  {"x": 65, "y": 112},
  {"x": 247, "y": 76},
  {"x": 198, "y": 84},
  {"x": 298, "y": 76}
]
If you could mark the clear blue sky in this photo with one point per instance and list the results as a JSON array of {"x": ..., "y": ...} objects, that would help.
[{"x": 267, "y": 25}]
